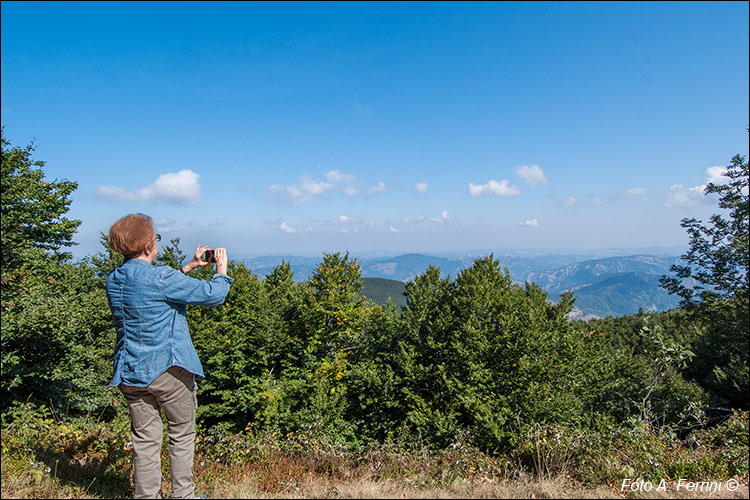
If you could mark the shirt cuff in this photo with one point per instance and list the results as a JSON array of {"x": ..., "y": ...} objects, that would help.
[{"x": 225, "y": 276}]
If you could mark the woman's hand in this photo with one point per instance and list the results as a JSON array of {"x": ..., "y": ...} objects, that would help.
[
  {"x": 220, "y": 255},
  {"x": 197, "y": 260}
]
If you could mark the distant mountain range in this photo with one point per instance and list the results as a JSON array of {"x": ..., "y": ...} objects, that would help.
[
  {"x": 614, "y": 286},
  {"x": 623, "y": 293},
  {"x": 611, "y": 286}
]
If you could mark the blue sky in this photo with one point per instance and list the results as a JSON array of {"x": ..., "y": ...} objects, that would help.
[{"x": 303, "y": 128}]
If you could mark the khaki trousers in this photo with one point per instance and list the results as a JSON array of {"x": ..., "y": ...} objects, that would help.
[{"x": 174, "y": 392}]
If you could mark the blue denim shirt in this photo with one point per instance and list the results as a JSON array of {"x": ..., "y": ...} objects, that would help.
[{"x": 148, "y": 305}]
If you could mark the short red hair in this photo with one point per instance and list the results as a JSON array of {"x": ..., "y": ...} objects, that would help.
[{"x": 131, "y": 235}]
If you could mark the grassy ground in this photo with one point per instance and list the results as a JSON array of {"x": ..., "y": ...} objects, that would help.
[
  {"x": 523, "y": 489},
  {"x": 246, "y": 483},
  {"x": 280, "y": 474},
  {"x": 45, "y": 457}
]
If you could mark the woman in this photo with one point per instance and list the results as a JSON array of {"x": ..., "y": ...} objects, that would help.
[{"x": 155, "y": 363}]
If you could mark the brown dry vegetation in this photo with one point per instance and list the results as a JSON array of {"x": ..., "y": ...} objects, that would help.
[
  {"x": 318, "y": 487},
  {"x": 54, "y": 458},
  {"x": 45, "y": 458},
  {"x": 531, "y": 489},
  {"x": 245, "y": 482},
  {"x": 281, "y": 475}
]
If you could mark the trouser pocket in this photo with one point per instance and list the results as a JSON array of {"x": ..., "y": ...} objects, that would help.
[{"x": 175, "y": 392}]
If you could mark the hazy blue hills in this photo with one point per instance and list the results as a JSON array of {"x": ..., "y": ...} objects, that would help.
[
  {"x": 611, "y": 286},
  {"x": 623, "y": 293},
  {"x": 302, "y": 267},
  {"x": 406, "y": 267},
  {"x": 580, "y": 274}
]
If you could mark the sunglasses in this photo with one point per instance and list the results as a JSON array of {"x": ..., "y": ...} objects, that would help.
[{"x": 157, "y": 237}]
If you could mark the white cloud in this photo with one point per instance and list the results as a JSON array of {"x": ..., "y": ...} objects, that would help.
[
  {"x": 420, "y": 187},
  {"x": 304, "y": 190},
  {"x": 638, "y": 192},
  {"x": 340, "y": 177},
  {"x": 502, "y": 188},
  {"x": 680, "y": 196},
  {"x": 393, "y": 229},
  {"x": 289, "y": 230},
  {"x": 568, "y": 201},
  {"x": 343, "y": 182},
  {"x": 307, "y": 189},
  {"x": 438, "y": 220},
  {"x": 442, "y": 219},
  {"x": 597, "y": 200},
  {"x": 380, "y": 187},
  {"x": 165, "y": 226},
  {"x": 350, "y": 221},
  {"x": 181, "y": 188},
  {"x": 350, "y": 224},
  {"x": 715, "y": 175},
  {"x": 531, "y": 223},
  {"x": 532, "y": 174},
  {"x": 285, "y": 227}
]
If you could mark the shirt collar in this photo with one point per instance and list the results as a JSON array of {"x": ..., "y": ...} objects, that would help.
[{"x": 133, "y": 260}]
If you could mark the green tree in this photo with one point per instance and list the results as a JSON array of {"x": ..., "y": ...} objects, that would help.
[
  {"x": 235, "y": 342},
  {"x": 648, "y": 377},
  {"x": 717, "y": 260},
  {"x": 713, "y": 283},
  {"x": 481, "y": 358},
  {"x": 104, "y": 261},
  {"x": 56, "y": 331},
  {"x": 171, "y": 255},
  {"x": 33, "y": 210},
  {"x": 333, "y": 305},
  {"x": 286, "y": 298}
]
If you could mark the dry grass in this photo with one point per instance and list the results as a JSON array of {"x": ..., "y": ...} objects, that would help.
[
  {"x": 241, "y": 466},
  {"x": 284, "y": 476},
  {"x": 368, "y": 488}
]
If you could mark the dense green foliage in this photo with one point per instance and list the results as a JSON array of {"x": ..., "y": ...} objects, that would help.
[
  {"x": 54, "y": 319},
  {"x": 471, "y": 361},
  {"x": 33, "y": 211},
  {"x": 717, "y": 294}
]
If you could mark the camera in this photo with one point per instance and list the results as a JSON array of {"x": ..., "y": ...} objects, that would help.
[{"x": 209, "y": 256}]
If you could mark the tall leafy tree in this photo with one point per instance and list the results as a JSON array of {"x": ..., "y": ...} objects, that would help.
[
  {"x": 54, "y": 317},
  {"x": 335, "y": 305},
  {"x": 171, "y": 255},
  {"x": 713, "y": 283},
  {"x": 717, "y": 260},
  {"x": 33, "y": 209},
  {"x": 104, "y": 261}
]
